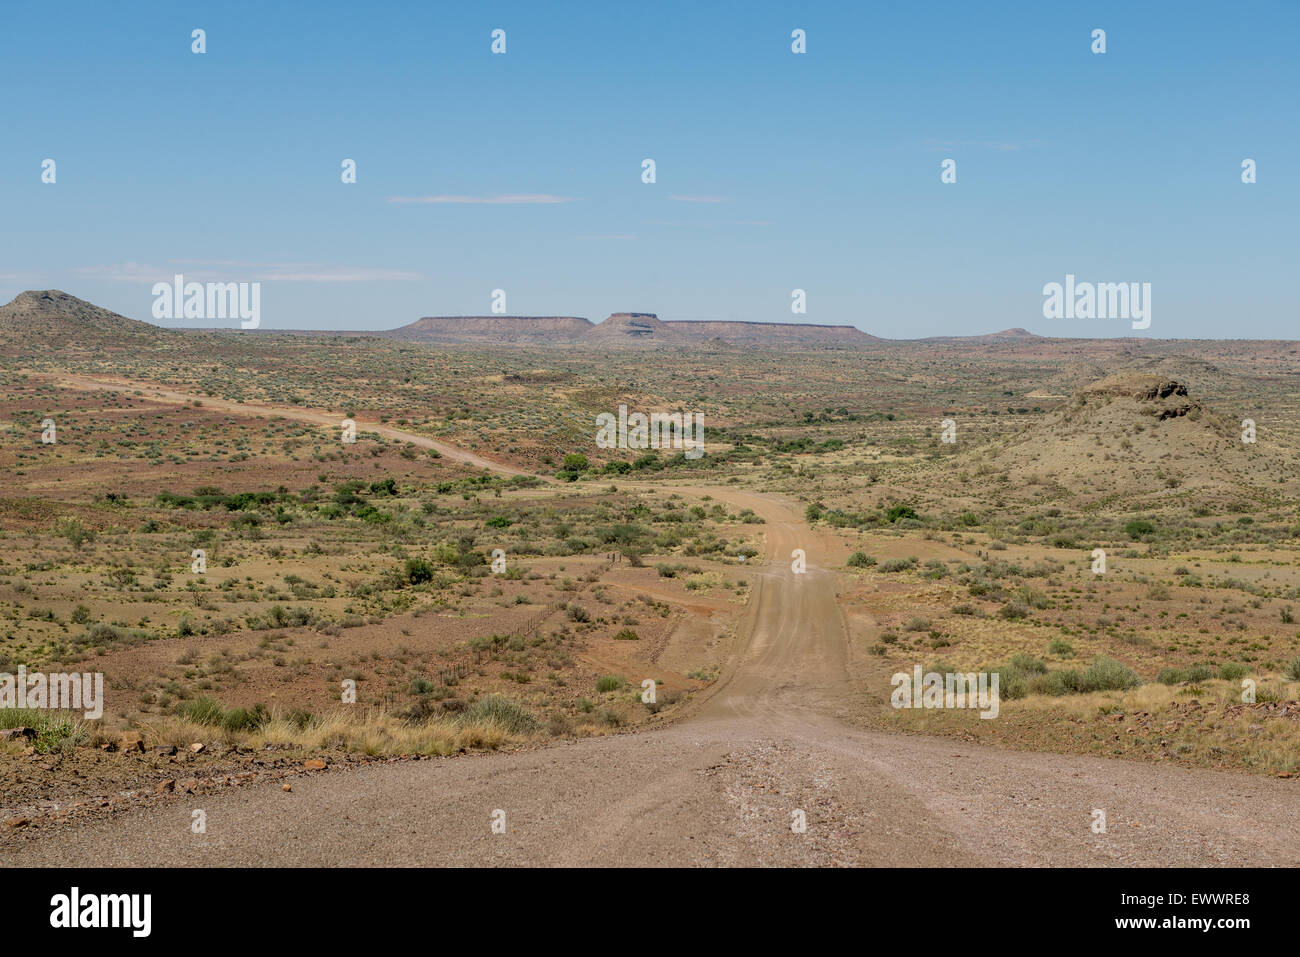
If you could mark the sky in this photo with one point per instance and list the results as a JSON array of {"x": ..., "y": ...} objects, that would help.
[{"x": 775, "y": 171}]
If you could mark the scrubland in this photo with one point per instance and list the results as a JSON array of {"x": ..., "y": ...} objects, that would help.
[{"x": 331, "y": 566}]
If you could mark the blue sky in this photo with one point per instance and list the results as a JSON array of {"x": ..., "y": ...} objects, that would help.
[{"x": 775, "y": 171}]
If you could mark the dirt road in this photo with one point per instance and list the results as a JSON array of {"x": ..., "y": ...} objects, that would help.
[
  {"x": 166, "y": 396},
  {"x": 725, "y": 785}
]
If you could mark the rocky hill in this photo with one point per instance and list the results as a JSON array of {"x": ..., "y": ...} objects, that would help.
[
  {"x": 1140, "y": 438},
  {"x": 537, "y": 330},
  {"x": 638, "y": 327},
  {"x": 1006, "y": 335},
  {"x": 49, "y": 319}
]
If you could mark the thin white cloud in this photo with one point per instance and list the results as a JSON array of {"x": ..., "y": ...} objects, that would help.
[
  {"x": 501, "y": 199},
  {"x": 233, "y": 271},
  {"x": 342, "y": 274},
  {"x": 236, "y": 262},
  {"x": 696, "y": 199},
  {"x": 716, "y": 224},
  {"x": 947, "y": 146},
  {"x": 124, "y": 272}
]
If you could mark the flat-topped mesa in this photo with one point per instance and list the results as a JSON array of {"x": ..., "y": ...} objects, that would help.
[
  {"x": 622, "y": 330},
  {"x": 648, "y": 327},
  {"x": 782, "y": 332},
  {"x": 38, "y": 317}
]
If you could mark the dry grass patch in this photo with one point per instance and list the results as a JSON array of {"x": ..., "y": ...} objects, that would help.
[{"x": 376, "y": 733}]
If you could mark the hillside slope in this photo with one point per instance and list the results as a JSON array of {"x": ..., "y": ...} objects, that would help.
[
  {"x": 492, "y": 329},
  {"x": 1141, "y": 437},
  {"x": 41, "y": 320}
]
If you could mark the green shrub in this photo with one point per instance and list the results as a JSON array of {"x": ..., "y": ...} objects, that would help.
[
  {"x": 1024, "y": 674},
  {"x": 1056, "y": 683},
  {"x": 55, "y": 730},
  {"x": 1200, "y": 673},
  {"x": 935, "y": 569},
  {"x": 417, "y": 571},
  {"x": 245, "y": 719},
  {"x": 496, "y": 709},
  {"x": 1032, "y": 597},
  {"x": 1013, "y": 611},
  {"x": 898, "y": 565},
  {"x": 1012, "y": 684},
  {"x": 1107, "y": 674},
  {"x": 203, "y": 710},
  {"x": 1139, "y": 529},
  {"x": 609, "y": 683},
  {"x": 1029, "y": 664}
]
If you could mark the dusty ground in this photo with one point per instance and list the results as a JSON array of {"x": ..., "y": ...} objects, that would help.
[{"x": 721, "y": 786}]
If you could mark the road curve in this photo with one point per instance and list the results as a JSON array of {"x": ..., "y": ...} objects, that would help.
[
  {"x": 723, "y": 786},
  {"x": 166, "y": 396}
]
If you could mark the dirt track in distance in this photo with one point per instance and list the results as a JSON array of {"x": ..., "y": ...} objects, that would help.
[{"x": 721, "y": 785}]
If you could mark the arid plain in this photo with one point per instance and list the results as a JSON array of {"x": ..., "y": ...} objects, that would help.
[{"x": 488, "y": 579}]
